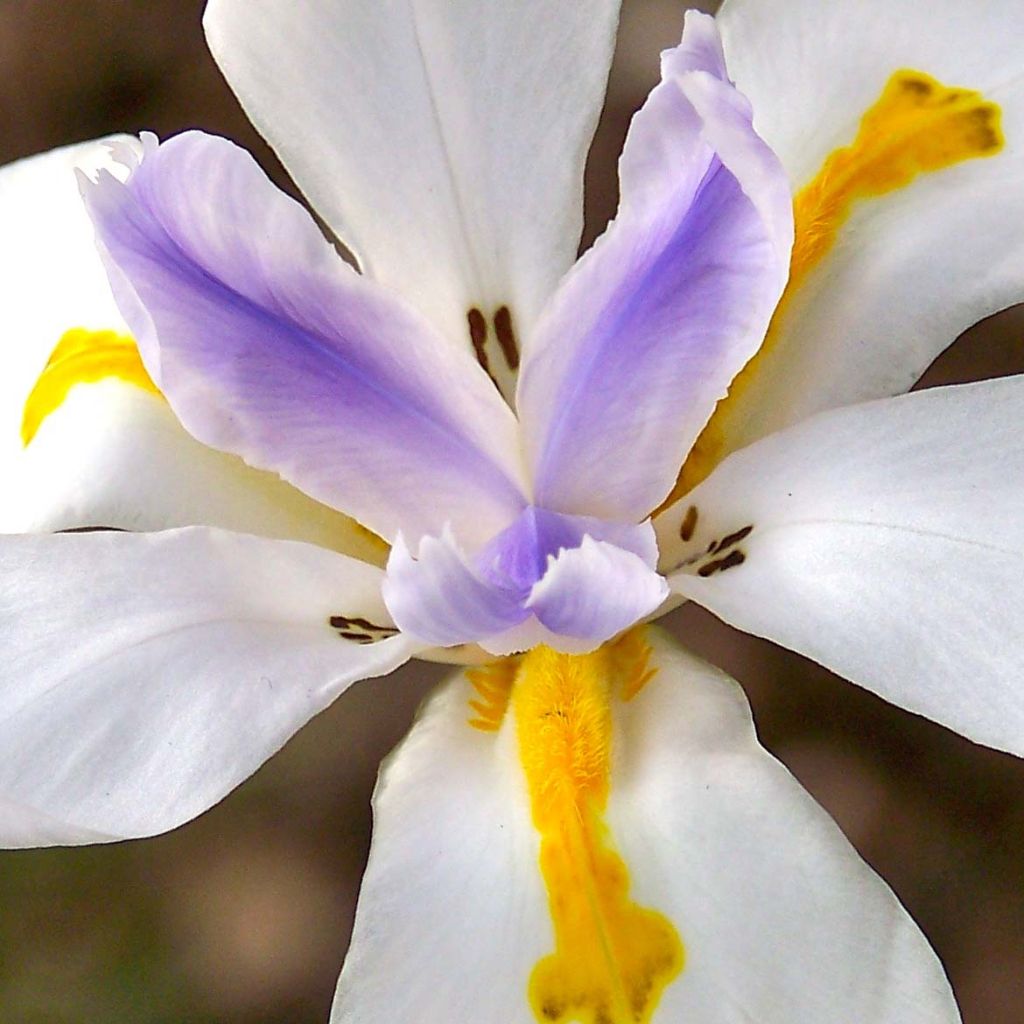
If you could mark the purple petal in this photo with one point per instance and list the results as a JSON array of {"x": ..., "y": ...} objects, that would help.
[
  {"x": 518, "y": 557},
  {"x": 648, "y": 330},
  {"x": 438, "y": 598},
  {"x": 545, "y": 579},
  {"x": 269, "y": 346},
  {"x": 595, "y": 591},
  {"x": 699, "y": 50}
]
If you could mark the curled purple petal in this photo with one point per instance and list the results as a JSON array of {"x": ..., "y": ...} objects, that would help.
[
  {"x": 646, "y": 333},
  {"x": 269, "y": 346},
  {"x": 567, "y": 581},
  {"x": 700, "y": 49},
  {"x": 437, "y": 596},
  {"x": 518, "y": 557},
  {"x": 594, "y": 591}
]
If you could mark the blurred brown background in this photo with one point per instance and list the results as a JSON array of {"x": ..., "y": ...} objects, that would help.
[{"x": 243, "y": 916}]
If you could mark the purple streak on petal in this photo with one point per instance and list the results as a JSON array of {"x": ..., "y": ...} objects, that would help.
[
  {"x": 645, "y": 334},
  {"x": 595, "y": 591},
  {"x": 438, "y": 598},
  {"x": 269, "y": 346}
]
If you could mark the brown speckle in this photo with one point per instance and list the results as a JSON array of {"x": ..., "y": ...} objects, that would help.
[
  {"x": 981, "y": 124},
  {"x": 689, "y": 523},
  {"x": 507, "y": 337},
  {"x": 93, "y": 529},
  {"x": 730, "y": 561},
  {"x": 551, "y": 1011},
  {"x": 360, "y": 630},
  {"x": 916, "y": 86},
  {"x": 478, "y": 336},
  {"x": 732, "y": 538}
]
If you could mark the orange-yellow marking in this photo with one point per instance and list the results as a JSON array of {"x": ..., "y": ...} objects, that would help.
[
  {"x": 612, "y": 957},
  {"x": 493, "y": 684},
  {"x": 630, "y": 656},
  {"x": 917, "y": 125},
  {"x": 82, "y": 357},
  {"x": 85, "y": 357}
]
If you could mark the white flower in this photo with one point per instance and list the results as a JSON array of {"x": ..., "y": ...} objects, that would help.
[{"x": 591, "y": 836}]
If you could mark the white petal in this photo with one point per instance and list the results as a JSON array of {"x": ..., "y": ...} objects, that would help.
[
  {"x": 913, "y": 267},
  {"x": 145, "y": 676},
  {"x": 114, "y": 455},
  {"x": 781, "y": 921},
  {"x": 52, "y": 277},
  {"x": 452, "y": 914},
  {"x": 443, "y": 141},
  {"x": 887, "y": 543}
]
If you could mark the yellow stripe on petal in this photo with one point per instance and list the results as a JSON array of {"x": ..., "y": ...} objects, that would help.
[
  {"x": 917, "y": 126},
  {"x": 612, "y": 958},
  {"x": 82, "y": 357}
]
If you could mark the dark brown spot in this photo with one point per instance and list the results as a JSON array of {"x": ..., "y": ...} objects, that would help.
[
  {"x": 689, "y": 523},
  {"x": 916, "y": 86},
  {"x": 731, "y": 539},
  {"x": 344, "y": 621},
  {"x": 506, "y": 337},
  {"x": 981, "y": 123},
  {"x": 478, "y": 335},
  {"x": 730, "y": 561},
  {"x": 93, "y": 529},
  {"x": 360, "y": 630}
]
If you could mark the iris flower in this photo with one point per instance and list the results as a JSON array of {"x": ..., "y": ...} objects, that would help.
[{"x": 244, "y": 475}]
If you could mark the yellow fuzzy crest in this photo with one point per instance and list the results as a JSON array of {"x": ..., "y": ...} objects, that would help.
[{"x": 612, "y": 957}]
